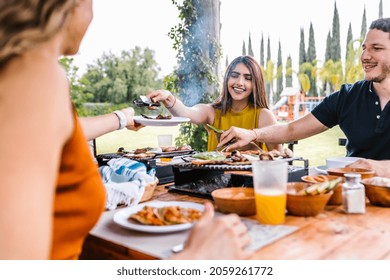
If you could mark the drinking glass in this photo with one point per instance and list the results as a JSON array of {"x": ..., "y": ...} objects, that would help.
[{"x": 270, "y": 185}]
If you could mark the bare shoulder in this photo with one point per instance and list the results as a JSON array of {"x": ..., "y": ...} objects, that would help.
[
  {"x": 205, "y": 113},
  {"x": 266, "y": 117}
]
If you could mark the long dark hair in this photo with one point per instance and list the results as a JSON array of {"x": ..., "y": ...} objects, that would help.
[
  {"x": 256, "y": 99},
  {"x": 27, "y": 23}
]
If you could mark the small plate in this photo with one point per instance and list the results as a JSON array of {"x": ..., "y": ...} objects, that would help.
[
  {"x": 122, "y": 217},
  {"x": 321, "y": 169},
  {"x": 160, "y": 122}
]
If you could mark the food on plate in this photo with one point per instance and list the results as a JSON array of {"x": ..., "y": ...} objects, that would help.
[
  {"x": 170, "y": 215},
  {"x": 168, "y": 149},
  {"x": 266, "y": 156},
  {"x": 139, "y": 156},
  {"x": 210, "y": 156},
  {"x": 158, "y": 117},
  {"x": 184, "y": 148}
]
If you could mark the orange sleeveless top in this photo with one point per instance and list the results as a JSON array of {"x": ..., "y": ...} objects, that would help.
[{"x": 79, "y": 198}]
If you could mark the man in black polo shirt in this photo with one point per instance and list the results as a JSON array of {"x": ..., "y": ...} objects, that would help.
[{"x": 362, "y": 110}]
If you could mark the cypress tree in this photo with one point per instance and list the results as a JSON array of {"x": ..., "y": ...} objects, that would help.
[
  {"x": 336, "y": 50},
  {"x": 311, "y": 50},
  {"x": 250, "y": 49},
  {"x": 380, "y": 9},
  {"x": 279, "y": 79},
  {"x": 267, "y": 84},
  {"x": 349, "y": 39},
  {"x": 302, "y": 51},
  {"x": 328, "y": 54},
  {"x": 364, "y": 25},
  {"x": 312, "y": 58},
  {"x": 243, "y": 48},
  {"x": 262, "y": 50},
  {"x": 289, "y": 72}
]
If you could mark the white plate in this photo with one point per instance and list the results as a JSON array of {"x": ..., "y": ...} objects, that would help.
[
  {"x": 122, "y": 217},
  {"x": 322, "y": 169},
  {"x": 167, "y": 122}
]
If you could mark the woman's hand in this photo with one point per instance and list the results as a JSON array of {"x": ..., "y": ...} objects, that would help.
[
  {"x": 242, "y": 137},
  {"x": 131, "y": 125},
  {"x": 164, "y": 96},
  {"x": 224, "y": 237}
]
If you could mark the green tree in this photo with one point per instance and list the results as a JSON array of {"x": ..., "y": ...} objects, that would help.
[
  {"x": 79, "y": 97},
  {"x": 328, "y": 48},
  {"x": 289, "y": 72},
  {"x": 349, "y": 39},
  {"x": 353, "y": 65},
  {"x": 243, "y": 48},
  {"x": 312, "y": 58},
  {"x": 302, "y": 50},
  {"x": 250, "y": 49},
  {"x": 121, "y": 79},
  {"x": 279, "y": 79},
  {"x": 335, "y": 45},
  {"x": 332, "y": 72},
  {"x": 269, "y": 71},
  {"x": 363, "y": 29},
  {"x": 196, "y": 40},
  {"x": 262, "y": 51}
]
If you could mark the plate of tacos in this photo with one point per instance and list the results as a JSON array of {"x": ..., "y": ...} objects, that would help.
[{"x": 159, "y": 216}]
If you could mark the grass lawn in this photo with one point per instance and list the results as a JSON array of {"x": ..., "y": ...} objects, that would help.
[{"x": 316, "y": 149}]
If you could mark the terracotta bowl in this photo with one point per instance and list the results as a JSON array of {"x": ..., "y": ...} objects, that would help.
[
  {"x": 300, "y": 204},
  {"x": 235, "y": 200},
  {"x": 149, "y": 191},
  {"x": 377, "y": 191},
  {"x": 337, "y": 197},
  {"x": 365, "y": 173}
]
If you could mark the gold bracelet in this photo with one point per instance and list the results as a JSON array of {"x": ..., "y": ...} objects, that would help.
[
  {"x": 174, "y": 102},
  {"x": 255, "y": 135}
]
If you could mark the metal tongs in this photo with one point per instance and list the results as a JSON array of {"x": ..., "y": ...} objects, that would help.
[
  {"x": 143, "y": 101},
  {"x": 218, "y": 133}
]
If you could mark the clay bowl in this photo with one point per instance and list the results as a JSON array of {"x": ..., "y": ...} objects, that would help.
[
  {"x": 365, "y": 173},
  {"x": 235, "y": 200},
  {"x": 300, "y": 204},
  {"x": 378, "y": 191},
  {"x": 337, "y": 197}
]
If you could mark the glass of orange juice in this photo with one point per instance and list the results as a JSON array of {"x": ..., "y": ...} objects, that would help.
[{"x": 270, "y": 184}]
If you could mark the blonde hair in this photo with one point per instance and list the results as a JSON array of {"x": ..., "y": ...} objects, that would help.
[{"x": 27, "y": 23}]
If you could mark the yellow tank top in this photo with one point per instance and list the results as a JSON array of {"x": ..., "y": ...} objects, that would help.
[{"x": 247, "y": 118}]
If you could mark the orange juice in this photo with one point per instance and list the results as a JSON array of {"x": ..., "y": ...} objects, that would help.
[{"x": 270, "y": 206}]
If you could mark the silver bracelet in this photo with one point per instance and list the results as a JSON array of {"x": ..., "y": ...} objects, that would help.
[{"x": 122, "y": 119}]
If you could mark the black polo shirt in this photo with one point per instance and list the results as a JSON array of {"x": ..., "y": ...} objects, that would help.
[{"x": 356, "y": 109}]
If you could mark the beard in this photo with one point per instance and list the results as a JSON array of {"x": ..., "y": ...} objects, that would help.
[{"x": 385, "y": 71}]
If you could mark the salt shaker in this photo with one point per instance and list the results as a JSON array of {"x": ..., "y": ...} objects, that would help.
[{"x": 354, "y": 198}]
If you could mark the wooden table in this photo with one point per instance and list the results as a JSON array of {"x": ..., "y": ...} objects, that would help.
[{"x": 330, "y": 235}]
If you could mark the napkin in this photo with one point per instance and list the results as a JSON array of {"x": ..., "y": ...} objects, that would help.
[{"x": 125, "y": 181}]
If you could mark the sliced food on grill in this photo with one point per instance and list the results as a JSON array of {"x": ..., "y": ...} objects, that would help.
[{"x": 217, "y": 156}]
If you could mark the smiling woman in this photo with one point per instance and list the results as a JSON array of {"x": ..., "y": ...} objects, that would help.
[{"x": 242, "y": 102}]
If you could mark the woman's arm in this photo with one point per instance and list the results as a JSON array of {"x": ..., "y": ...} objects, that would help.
[
  {"x": 198, "y": 114},
  {"x": 97, "y": 126}
]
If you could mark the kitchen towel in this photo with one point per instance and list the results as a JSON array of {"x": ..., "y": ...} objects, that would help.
[{"x": 125, "y": 181}]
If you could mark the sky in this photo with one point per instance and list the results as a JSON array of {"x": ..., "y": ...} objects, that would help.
[{"x": 124, "y": 24}]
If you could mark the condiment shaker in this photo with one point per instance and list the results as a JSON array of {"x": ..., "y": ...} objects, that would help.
[{"x": 354, "y": 198}]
